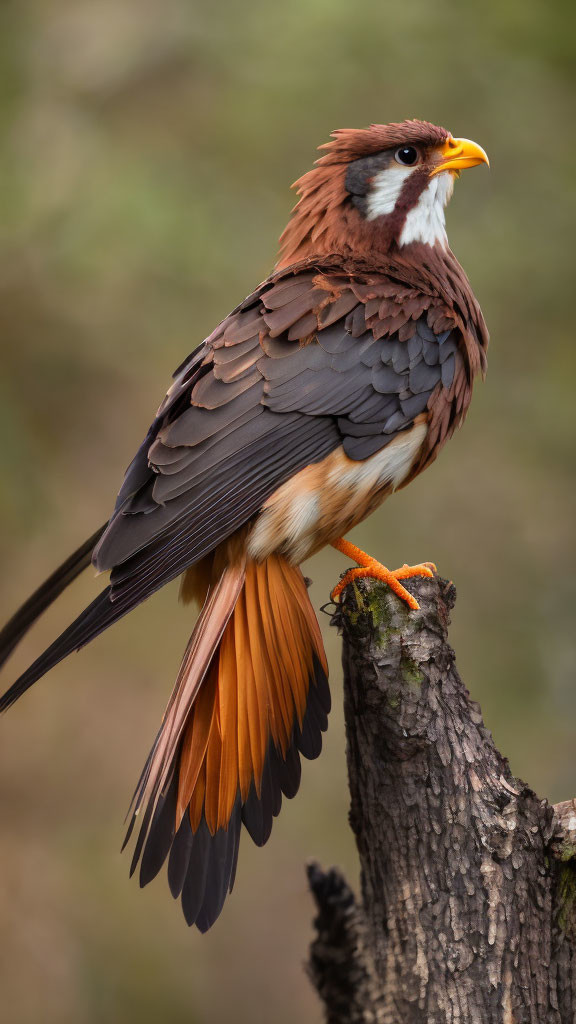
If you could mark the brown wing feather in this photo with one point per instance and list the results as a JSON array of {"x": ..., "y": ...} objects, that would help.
[
  {"x": 219, "y": 448},
  {"x": 219, "y": 408}
]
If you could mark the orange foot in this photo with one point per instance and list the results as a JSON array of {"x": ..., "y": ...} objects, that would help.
[{"x": 370, "y": 567}]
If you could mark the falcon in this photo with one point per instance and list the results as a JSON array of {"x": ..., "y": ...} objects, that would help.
[{"x": 332, "y": 385}]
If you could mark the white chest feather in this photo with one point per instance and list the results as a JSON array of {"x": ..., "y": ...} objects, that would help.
[
  {"x": 327, "y": 498},
  {"x": 389, "y": 466}
]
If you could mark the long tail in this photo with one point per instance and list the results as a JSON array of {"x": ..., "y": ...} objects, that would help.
[
  {"x": 251, "y": 696},
  {"x": 42, "y": 598}
]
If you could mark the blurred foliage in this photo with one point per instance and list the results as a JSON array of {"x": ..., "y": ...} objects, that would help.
[{"x": 147, "y": 150}]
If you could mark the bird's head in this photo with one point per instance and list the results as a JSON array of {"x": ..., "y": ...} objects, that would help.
[{"x": 375, "y": 189}]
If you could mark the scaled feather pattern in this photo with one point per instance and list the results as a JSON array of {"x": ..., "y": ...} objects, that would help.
[{"x": 335, "y": 382}]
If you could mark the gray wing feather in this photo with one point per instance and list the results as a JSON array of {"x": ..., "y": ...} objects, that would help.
[{"x": 254, "y": 405}]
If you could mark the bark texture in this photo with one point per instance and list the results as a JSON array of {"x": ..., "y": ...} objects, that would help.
[{"x": 467, "y": 877}]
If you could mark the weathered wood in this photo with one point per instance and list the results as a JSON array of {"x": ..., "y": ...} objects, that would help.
[{"x": 468, "y": 882}]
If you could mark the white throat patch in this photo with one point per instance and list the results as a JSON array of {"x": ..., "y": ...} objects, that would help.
[{"x": 426, "y": 222}]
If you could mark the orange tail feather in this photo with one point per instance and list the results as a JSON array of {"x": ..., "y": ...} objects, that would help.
[{"x": 233, "y": 732}]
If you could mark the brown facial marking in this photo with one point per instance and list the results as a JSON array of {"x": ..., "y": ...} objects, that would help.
[{"x": 325, "y": 219}]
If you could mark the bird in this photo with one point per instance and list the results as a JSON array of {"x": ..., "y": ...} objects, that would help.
[{"x": 331, "y": 386}]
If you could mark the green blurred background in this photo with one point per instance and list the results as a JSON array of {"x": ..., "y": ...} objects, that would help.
[{"x": 147, "y": 150}]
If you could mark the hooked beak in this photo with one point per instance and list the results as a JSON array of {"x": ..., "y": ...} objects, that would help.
[{"x": 456, "y": 154}]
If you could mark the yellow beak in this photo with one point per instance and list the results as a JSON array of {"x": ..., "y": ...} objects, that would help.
[{"x": 456, "y": 154}]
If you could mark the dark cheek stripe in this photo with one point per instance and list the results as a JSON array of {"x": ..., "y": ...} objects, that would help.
[
  {"x": 360, "y": 176},
  {"x": 411, "y": 191}
]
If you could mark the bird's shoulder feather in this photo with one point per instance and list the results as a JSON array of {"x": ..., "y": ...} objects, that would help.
[{"x": 323, "y": 354}]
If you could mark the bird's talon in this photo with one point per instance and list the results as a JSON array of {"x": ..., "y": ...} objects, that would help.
[{"x": 369, "y": 567}]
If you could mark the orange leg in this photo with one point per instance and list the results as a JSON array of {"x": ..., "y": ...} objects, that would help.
[{"x": 370, "y": 567}]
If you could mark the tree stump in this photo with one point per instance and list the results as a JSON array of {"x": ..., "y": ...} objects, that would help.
[{"x": 468, "y": 883}]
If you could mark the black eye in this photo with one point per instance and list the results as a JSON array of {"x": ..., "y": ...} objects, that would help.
[{"x": 406, "y": 155}]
